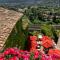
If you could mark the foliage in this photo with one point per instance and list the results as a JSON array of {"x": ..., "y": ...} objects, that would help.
[
  {"x": 57, "y": 21},
  {"x": 49, "y": 31},
  {"x": 25, "y": 22},
  {"x": 18, "y": 37},
  {"x": 36, "y": 14}
]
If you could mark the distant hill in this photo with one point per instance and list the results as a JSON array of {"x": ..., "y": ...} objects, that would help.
[{"x": 29, "y": 2}]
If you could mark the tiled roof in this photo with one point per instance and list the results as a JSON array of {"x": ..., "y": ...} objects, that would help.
[{"x": 8, "y": 19}]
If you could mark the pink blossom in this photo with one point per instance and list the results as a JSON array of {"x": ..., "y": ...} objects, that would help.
[
  {"x": 26, "y": 59},
  {"x": 2, "y": 58},
  {"x": 12, "y": 51},
  {"x": 25, "y": 56},
  {"x": 18, "y": 54},
  {"x": 36, "y": 54},
  {"x": 6, "y": 52},
  {"x": 2, "y": 55}
]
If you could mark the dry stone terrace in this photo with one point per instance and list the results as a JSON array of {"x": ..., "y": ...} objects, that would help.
[{"x": 8, "y": 19}]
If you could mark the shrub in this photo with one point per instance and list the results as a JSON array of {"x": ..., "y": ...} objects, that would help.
[
  {"x": 18, "y": 37},
  {"x": 49, "y": 31}
]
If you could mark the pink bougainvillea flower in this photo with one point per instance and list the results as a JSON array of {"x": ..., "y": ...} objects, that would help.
[
  {"x": 56, "y": 56},
  {"x": 9, "y": 51},
  {"x": 2, "y": 58},
  {"x": 12, "y": 51},
  {"x": 1, "y": 55},
  {"x": 21, "y": 51},
  {"x": 18, "y": 54},
  {"x": 26, "y": 59},
  {"x": 36, "y": 54},
  {"x": 55, "y": 53},
  {"x": 6, "y": 52},
  {"x": 26, "y": 55},
  {"x": 45, "y": 57}
]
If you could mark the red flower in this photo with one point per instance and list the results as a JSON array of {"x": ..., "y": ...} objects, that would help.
[
  {"x": 57, "y": 51},
  {"x": 33, "y": 38},
  {"x": 45, "y": 38},
  {"x": 51, "y": 51},
  {"x": 33, "y": 45},
  {"x": 54, "y": 52},
  {"x": 46, "y": 41},
  {"x": 47, "y": 44}
]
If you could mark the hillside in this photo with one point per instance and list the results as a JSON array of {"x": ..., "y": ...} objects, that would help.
[{"x": 30, "y": 2}]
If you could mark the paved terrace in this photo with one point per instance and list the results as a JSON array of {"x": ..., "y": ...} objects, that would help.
[{"x": 8, "y": 19}]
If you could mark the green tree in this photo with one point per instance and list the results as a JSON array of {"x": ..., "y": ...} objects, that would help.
[
  {"x": 49, "y": 31},
  {"x": 18, "y": 37}
]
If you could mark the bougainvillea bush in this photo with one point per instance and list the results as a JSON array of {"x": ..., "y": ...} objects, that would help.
[
  {"x": 16, "y": 54},
  {"x": 32, "y": 53}
]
